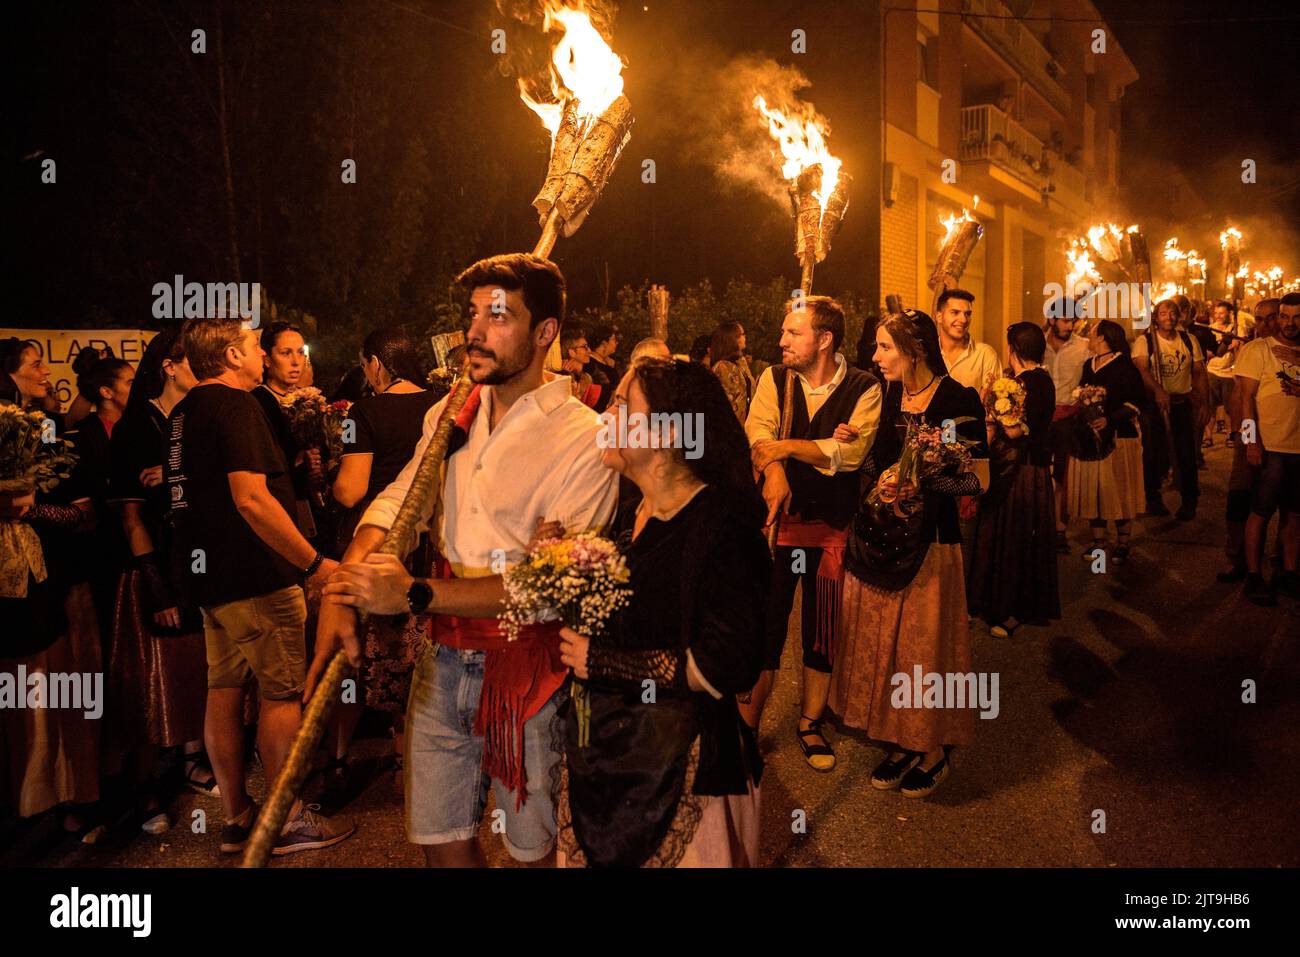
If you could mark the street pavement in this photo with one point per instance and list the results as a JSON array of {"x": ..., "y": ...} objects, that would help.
[{"x": 1122, "y": 740}]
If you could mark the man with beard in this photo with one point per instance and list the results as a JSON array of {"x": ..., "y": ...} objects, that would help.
[
  {"x": 1064, "y": 359},
  {"x": 812, "y": 475},
  {"x": 1268, "y": 378},
  {"x": 1173, "y": 368},
  {"x": 523, "y": 462}
]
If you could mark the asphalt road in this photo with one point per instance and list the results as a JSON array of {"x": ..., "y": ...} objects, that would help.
[{"x": 1130, "y": 705}]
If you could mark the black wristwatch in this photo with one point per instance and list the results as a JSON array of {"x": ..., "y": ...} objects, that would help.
[{"x": 418, "y": 596}]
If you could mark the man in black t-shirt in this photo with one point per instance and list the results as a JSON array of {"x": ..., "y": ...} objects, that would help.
[{"x": 245, "y": 561}]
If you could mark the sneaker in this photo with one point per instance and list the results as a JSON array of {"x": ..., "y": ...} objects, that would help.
[
  {"x": 1288, "y": 584},
  {"x": 1258, "y": 591},
  {"x": 917, "y": 783},
  {"x": 1157, "y": 508},
  {"x": 234, "y": 834},
  {"x": 889, "y": 773},
  {"x": 310, "y": 830}
]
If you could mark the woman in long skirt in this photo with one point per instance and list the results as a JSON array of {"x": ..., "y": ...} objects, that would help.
[
  {"x": 1105, "y": 477},
  {"x": 157, "y": 659},
  {"x": 1012, "y": 578},
  {"x": 672, "y": 780},
  {"x": 904, "y": 606}
]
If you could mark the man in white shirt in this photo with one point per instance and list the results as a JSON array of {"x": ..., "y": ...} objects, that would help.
[
  {"x": 1064, "y": 359},
  {"x": 1268, "y": 377},
  {"x": 1241, "y": 480},
  {"x": 1176, "y": 381},
  {"x": 525, "y": 451},
  {"x": 1219, "y": 366},
  {"x": 813, "y": 477},
  {"x": 969, "y": 362}
]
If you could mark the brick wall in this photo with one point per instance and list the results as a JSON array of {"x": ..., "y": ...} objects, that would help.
[{"x": 898, "y": 253}]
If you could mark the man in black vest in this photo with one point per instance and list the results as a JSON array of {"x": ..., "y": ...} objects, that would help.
[{"x": 810, "y": 484}]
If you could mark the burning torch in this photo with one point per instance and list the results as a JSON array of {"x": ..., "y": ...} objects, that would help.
[
  {"x": 589, "y": 118},
  {"x": 1230, "y": 243},
  {"x": 590, "y": 122},
  {"x": 818, "y": 188},
  {"x": 961, "y": 234}
]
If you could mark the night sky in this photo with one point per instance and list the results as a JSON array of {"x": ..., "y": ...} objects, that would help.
[{"x": 109, "y": 91}]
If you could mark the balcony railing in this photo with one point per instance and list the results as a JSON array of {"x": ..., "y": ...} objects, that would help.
[
  {"x": 989, "y": 134},
  {"x": 993, "y": 21}
]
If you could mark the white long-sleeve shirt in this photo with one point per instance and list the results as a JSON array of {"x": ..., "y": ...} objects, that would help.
[
  {"x": 541, "y": 461},
  {"x": 764, "y": 421},
  {"x": 1065, "y": 365}
]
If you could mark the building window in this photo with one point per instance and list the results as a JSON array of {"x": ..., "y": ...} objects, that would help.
[{"x": 927, "y": 71}]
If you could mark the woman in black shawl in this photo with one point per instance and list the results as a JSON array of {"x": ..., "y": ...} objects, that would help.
[
  {"x": 1012, "y": 578},
  {"x": 661, "y": 771}
]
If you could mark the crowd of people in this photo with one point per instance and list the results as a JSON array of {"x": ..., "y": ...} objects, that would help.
[{"x": 210, "y": 557}]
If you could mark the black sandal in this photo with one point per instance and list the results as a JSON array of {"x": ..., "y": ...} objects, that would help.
[
  {"x": 812, "y": 752},
  {"x": 193, "y": 762}
]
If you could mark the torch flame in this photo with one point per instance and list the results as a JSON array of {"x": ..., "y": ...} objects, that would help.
[
  {"x": 950, "y": 223},
  {"x": 803, "y": 144},
  {"x": 1082, "y": 268},
  {"x": 1172, "y": 253},
  {"x": 583, "y": 69},
  {"x": 1229, "y": 234}
]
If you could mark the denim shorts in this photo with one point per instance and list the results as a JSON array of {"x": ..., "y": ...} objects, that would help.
[{"x": 446, "y": 789}]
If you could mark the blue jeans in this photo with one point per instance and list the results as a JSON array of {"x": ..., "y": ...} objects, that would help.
[{"x": 446, "y": 789}]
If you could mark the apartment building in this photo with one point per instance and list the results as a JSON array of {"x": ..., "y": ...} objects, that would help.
[{"x": 1017, "y": 103}]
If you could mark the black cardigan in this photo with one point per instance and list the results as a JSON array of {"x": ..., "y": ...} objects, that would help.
[
  {"x": 698, "y": 584},
  {"x": 1126, "y": 395}
]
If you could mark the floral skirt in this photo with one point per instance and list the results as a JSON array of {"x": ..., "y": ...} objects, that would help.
[
  {"x": 886, "y": 633},
  {"x": 51, "y": 755},
  {"x": 158, "y": 683},
  {"x": 1109, "y": 489},
  {"x": 706, "y": 831},
  {"x": 392, "y": 645}
]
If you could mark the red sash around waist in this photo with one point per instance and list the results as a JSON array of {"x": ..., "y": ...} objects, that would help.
[
  {"x": 519, "y": 677},
  {"x": 829, "y": 584}
]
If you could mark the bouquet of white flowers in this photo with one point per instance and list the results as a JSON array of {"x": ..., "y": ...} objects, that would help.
[{"x": 582, "y": 580}]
